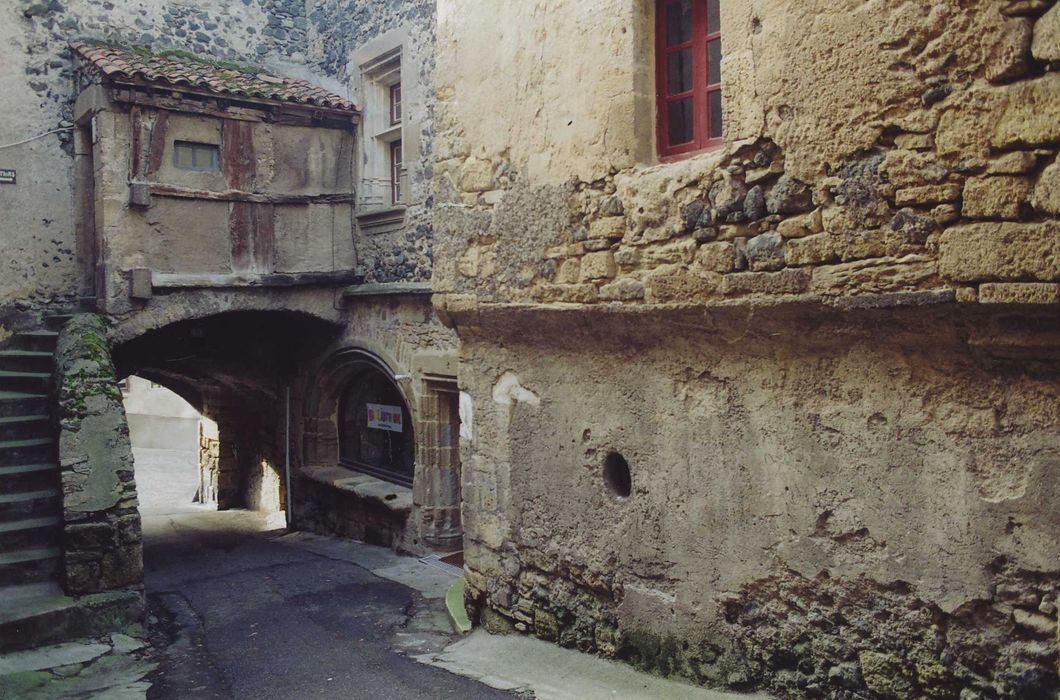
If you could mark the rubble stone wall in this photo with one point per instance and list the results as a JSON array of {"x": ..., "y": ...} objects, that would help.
[
  {"x": 102, "y": 540},
  {"x": 341, "y": 34},
  {"x": 917, "y": 153},
  {"x": 829, "y": 497},
  {"x": 40, "y": 81}
]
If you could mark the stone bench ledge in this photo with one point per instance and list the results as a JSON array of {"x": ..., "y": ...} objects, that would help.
[{"x": 395, "y": 498}]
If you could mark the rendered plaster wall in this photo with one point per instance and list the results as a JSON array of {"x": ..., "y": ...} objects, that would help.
[
  {"x": 39, "y": 81},
  {"x": 188, "y": 234},
  {"x": 820, "y": 506}
]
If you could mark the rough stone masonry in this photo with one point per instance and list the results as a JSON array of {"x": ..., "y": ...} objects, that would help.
[
  {"x": 779, "y": 414},
  {"x": 826, "y": 351}
]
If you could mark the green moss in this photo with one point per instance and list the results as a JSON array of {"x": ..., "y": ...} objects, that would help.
[
  {"x": 700, "y": 662},
  {"x": 145, "y": 51},
  {"x": 23, "y": 685}
]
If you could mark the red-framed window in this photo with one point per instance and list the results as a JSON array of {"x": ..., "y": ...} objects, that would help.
[{"x": 688, "y": 75}]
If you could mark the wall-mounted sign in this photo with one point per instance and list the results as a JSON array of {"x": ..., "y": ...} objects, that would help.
[
  {"x": 7, "y": 177},
  {"x": 382, "y": 417}
]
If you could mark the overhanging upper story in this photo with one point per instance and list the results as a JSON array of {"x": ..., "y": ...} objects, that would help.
[{"x": 193, "y": 173}]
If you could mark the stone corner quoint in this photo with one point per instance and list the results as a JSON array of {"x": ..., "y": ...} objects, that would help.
[{"x": 721, "y": 338}]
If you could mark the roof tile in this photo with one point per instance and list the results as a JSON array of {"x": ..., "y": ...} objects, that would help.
[{"x": 121, "y": 63}]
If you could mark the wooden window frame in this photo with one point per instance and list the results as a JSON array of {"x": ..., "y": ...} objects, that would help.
[
  {"x": 395, "y": 104},
  {"x": 205, "y": 157},
  {"x": 396, "y": 156},
  {"x": 701, "y": 36}
]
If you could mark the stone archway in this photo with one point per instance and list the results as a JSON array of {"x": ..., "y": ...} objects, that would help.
[
  {"x": 432, "y": 519},
  {"x": 235, "y": 368}
]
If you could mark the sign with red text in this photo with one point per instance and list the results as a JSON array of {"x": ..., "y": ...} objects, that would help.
[{"x": 383, "y": 417}]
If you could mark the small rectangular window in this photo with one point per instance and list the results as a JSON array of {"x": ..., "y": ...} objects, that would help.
[
  {"x": 396, "y": 171},
  {"x": 395, "y": 104},
  {"x": 688, "y": 56},
  {"x": 201, "y": 157}
]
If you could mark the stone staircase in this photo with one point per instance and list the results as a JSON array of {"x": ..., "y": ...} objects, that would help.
[
  {"x": 34, "y": 611},
  {"x": 30, "y": 501}
]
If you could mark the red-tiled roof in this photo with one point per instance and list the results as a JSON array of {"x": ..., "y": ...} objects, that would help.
[{"x": 173, "y": 69}]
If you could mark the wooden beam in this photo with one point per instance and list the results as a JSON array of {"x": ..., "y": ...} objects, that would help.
[
  {"x": 226, "y": 106},
  {"x": 163, "y": 190},
  {"x": 180, "y": 280}
]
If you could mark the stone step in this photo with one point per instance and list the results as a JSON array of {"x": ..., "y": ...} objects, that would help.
[
  {"x": 28, "y": 565},
  {"x": 29, "y": 533},
  {"x": 55, "y": 322},
  {"x": 25, "y": 381},
  {"x": 26, "y": 360},
  {"x": 20, "y": 403},
  {"x": 37, "y": 615},
  {"x": 28, "y": 477},
  {"x": 24, "y": 427},
  {"x": 28, "y": 451},
  {"x": 43, "y": 340},
  {"x": 29, "y": 504}
]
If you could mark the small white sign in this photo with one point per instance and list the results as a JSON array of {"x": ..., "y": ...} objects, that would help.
[{"x": 383, "y": 417}]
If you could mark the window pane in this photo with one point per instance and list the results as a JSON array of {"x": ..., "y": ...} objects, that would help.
[
  {"x": 395, "y": 172},
  {"x": 184, "y": 156},
  {"x": 203, "y": 157},
  {"x": 678, "y": 22},
  {"x": 395, "y": 104},
  {"x": 713, "y": 16},
  {"x": 376, "y": 428},
  {"x": 714, "y": 106},
  {"x": 679, "y": 71},
  {"x": 714, "y": 62},
  {"x": 680, "y": 121}
]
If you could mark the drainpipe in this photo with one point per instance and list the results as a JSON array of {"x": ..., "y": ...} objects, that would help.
[{"x": 288, "y": 511}]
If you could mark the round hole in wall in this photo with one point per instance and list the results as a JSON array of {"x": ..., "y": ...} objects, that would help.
[{"x": 617, "y": 478}]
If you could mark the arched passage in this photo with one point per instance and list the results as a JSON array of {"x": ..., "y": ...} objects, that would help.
[
  {"x": 166, "y": 433},
  {"x": 236, "y": 369}
]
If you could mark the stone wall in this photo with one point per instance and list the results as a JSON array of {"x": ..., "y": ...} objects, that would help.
[
  {"x": 40, "y": 81},
  {"x": 919, "y": 155},
  {"x": 342, "y": 34},
  {"x": 401, "y": 336},
  {"x": 102, "y": 541},
  {"x": 209, "y": 462},
  {"x": 826, "y": 349},
  {"x": 819, "y": 505}
]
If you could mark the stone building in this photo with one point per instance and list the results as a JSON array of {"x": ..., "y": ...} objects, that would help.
[
  {"x": 755, "y": 306},
  {"x": 243, "y": 194},
  {"x": 758, "y": 307}
]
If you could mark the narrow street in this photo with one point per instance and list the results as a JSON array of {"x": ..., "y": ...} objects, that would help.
[{"x": 242, "y": 612}]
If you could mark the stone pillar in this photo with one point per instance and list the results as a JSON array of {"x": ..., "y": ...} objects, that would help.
[
  {"x": 209, "y": 458},
  {"x": 437, "y": 489},
  {"x": 102, "y": 542}
]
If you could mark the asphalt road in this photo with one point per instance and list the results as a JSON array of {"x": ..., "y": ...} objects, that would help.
[{"x": 240, "y": 614}]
